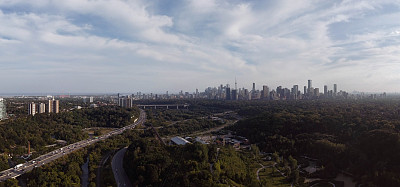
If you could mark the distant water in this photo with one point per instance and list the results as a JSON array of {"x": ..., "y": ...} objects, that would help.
[{"x": 85, "y": 173}]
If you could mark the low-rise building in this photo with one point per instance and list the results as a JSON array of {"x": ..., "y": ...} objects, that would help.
[{"x": 179, "y": 141}]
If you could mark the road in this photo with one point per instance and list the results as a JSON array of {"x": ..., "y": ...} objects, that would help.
[
  {"x": 51, "y": 156},
  {"x": 117, "y": 166}
]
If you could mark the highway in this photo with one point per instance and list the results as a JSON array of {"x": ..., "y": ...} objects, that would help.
[
  {"x": 60, "y": 152},
  {"x": 119, "y": 172}
]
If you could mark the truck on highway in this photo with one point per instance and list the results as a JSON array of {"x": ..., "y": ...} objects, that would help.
[{"x": 18, "y": 166}]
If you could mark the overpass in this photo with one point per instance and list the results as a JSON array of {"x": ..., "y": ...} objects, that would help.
[{"x": 167, "y": 106}]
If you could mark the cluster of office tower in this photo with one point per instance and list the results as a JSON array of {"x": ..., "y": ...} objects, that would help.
[
  {"x": 225, "y": 92},
  {"x": 280, "y": 93}
]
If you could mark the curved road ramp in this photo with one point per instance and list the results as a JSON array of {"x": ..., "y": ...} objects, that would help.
[{"x": 117, "y": 166}]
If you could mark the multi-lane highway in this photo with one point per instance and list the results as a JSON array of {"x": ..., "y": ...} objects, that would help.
[{"x": 51, "y": 156}]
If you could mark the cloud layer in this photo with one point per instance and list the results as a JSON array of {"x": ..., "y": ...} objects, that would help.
[{"x": 157, "y": 46}]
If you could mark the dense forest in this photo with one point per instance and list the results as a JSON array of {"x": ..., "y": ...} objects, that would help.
[
  {"x": 149, "y": 163},
  {"x": 358, "y": 137}
]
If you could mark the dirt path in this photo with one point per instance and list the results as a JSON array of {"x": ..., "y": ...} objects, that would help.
[
  {"x": 259, "y": 169},
  {"x": 278, "y": 170}
]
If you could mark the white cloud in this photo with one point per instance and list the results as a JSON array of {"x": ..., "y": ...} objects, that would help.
[{"x": 285, "y": 42}]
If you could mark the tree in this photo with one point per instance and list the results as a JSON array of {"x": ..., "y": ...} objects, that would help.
[
  {"x": 11, "y": 183},
  {"x": 292, "y": 163},
  {"x": 255, "y": 150},
  {"x": 275, "y": 157}
]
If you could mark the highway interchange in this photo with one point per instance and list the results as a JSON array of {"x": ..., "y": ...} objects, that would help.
[{"x": 55, "y": 154}]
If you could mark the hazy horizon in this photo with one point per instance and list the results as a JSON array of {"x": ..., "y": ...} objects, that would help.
[
  {"x": 5, "y": 95},
  {"x": 83, "y": 46}
]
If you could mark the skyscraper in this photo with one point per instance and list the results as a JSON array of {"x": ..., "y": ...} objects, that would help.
[
  {"x": 279, "y": 90},
  {"x": 295, "y": 91},
  {"x": 228, "y": 93},
  {"x": 316, "y": 91},
  {"x": 91, "y": 99},
  {"x": 334, "y": 89},
  {"x": 265, "y": 92},
  {"x": 56, "y": 106},
  {"x": 3, "y": 113},
  {"x": 32, "y": 109},
  {"x": 305, "y": 90},
  {"x": 254, "y": 87},
  {"x": 125, "y": 102},
  {"x": 49, "y": 106},
  {"x": 247, "y": 96},
  {"x": 310, "y": 86},
  {"x": 41, "y": 108},
  {"x": 325, "y": 90},
  {"x": 234, "y": 95}
]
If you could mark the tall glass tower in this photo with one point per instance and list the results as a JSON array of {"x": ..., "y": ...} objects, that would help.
[
  {"x": 2, "y": 109},
  {"x": 309, "y": 84}
]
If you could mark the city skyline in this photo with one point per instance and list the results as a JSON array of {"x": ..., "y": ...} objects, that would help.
[
  {"x": 125, "y": 46},
  {"x": 252, "y": 87}
]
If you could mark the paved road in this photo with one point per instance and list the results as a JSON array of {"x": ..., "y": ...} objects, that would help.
[
  {"x": 51, "y": 156},
  {"x": 117, "y": 166}
]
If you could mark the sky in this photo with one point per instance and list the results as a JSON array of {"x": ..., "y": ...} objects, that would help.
[{"x": 110, "y": 46}]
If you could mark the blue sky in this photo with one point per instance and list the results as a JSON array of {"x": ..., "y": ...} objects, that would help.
[{"x": 89, "y": 46}]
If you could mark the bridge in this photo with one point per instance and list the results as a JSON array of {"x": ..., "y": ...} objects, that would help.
[{"x": 167, "y": 106}]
